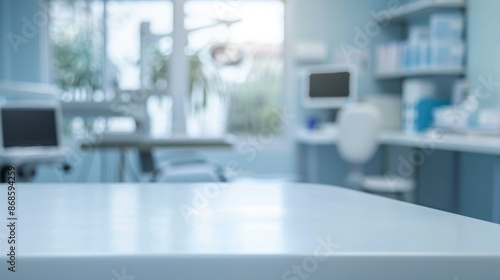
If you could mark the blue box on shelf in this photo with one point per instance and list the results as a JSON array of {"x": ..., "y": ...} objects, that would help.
[{"x": 425, "y": 107}]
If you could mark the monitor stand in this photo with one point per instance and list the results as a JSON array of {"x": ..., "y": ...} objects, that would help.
[
  {"x": 329, "y": 126},
  {"x": 332, "y": 115}
]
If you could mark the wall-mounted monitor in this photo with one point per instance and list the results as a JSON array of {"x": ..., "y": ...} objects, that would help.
[{"x": 329, "y": 87}]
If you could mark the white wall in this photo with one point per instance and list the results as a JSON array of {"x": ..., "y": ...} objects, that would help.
[
  {"x": 21, "y": 40},
  {"x": 3, "y": 36},
  {"x": 484, "y": 46}
]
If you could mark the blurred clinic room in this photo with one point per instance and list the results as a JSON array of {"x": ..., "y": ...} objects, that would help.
[{"x": 281, "y": 106}]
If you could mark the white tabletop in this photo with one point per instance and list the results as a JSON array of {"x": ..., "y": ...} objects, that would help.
[{"x": 94, "y": 231}]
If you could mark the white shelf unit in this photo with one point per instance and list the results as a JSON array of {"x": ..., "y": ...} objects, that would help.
[
  {"x": 481, "y": 144},
  {"x": 408, "y": 12},
  {"x": 420, "y": 7},
  {"x": 426, "y": 6}
]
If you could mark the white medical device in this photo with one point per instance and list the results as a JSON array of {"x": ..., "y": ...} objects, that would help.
[{"x": 30, "y": 131}]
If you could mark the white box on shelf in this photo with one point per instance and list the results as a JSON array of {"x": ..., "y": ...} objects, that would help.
[
  {"x": 418, "y": 33},
  {"x": 423, "y": 60},
  {"x": 489, "y": 118},
  {"x": 447, "y": 54},
  {"x": 380, "y": 54},
  {"x": 389, "y": 57},
  {"x": 447, "y": 26},
  {"x": 411, "y": 59}
]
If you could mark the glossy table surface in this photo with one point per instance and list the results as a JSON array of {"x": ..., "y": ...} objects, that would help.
[{"x": 239, "y": 231}]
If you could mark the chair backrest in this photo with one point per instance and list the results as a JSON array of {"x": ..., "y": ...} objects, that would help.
[{"x": 359, "y": 126}]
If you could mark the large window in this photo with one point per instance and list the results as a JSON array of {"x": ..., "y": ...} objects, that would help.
[{"x": 105, "y": 50}]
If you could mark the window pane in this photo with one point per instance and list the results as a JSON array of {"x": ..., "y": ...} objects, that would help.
[
  {"x": 114, "y": 53},
  {"x": 138, "y": 47},
  {"x": 138, "y": 41},
  {"x": 236, "y": 51},
  {"x": 77, "y": 45}
]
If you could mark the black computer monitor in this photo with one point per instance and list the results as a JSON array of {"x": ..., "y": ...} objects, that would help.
[
  {"x": 329, "y": 86},
  {"x": 30, "y": 125}
]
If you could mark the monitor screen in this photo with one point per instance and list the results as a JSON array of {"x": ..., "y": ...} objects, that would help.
[
  {"x": 323, "y": 85},
  {"x": 29, "y": 127}
]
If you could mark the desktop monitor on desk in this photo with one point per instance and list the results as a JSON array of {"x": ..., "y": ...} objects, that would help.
[{"x": 329, "y": 87}]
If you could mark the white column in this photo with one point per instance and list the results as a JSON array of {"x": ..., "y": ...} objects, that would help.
[
  {"x": 179, "y": 70},
  {"x": 290, "y": 75},
  {"x": 105, "y": 66}
]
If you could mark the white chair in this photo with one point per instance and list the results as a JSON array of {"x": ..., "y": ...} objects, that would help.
[{"x": 359, "y": 126}]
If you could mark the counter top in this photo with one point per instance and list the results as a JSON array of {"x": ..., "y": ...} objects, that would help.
[{"x": 436, "y": 140}]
